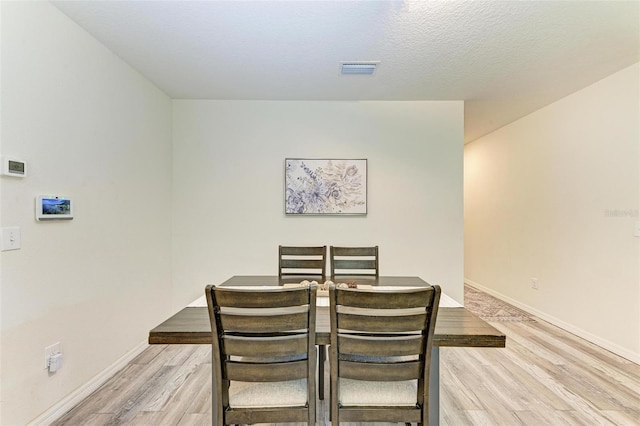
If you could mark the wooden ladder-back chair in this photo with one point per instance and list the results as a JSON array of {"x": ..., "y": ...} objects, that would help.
[
  {"x": 307, "y": 261},
  {"x": 264, "y": 357},
  {"x": 354, "y": 261},
  {"x": 380, "y": 354}
]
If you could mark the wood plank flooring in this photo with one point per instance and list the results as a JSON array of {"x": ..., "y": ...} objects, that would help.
[{"x": 545, "y": 376}]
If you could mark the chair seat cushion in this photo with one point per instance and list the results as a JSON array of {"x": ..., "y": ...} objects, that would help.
[
  {"x": 360, "y": 392},
  {"x": 291, "y": 393}
]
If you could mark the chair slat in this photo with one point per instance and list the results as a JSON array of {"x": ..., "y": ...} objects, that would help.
[
  {"x": 380, "y": 347},
  {"x": 381, "y": 324},
  {"x": 239, "y": 298},
  {"x": 354, "y": 263},
  {"x": 265, "y": 372},
  {"x": 266, "y": 347},
  {"x": 401, "y": 299},
  {"x": 249, "y": 416},
  {"x": 301, "y": 263},
  {"x": 355, "y": 251},
  {"x": 380, "y": 372},
  {"x": 303, "y": 251},
  {"x": 264, "y": 323},
  {"x": 382, "y": 414}
]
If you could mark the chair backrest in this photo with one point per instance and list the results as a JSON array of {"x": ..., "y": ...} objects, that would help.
[
  {"x": 263, "y": 354},
  {"x": 353, "y": 261},
  {"x": 308, "y": 261},
  {"x": 380, "y": 353}
]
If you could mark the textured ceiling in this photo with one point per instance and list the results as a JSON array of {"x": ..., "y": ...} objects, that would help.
[{"x": 504, "y": 59}]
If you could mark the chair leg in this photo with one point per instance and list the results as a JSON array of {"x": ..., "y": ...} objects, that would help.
[{"x": 322, "y": 356}]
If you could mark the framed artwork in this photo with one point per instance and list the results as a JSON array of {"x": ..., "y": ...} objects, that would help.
[{"x": 325, "y": 186}]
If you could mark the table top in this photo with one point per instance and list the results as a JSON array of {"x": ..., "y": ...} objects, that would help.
[{"x": 455, "y": 326}]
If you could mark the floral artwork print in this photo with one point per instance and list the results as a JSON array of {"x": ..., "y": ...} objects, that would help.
[{"x": 325, "y": 186}]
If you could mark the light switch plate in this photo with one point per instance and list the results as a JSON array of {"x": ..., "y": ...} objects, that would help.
[{"x": 10, "y": 239}]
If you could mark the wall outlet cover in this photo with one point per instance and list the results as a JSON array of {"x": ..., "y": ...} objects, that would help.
[{"x": 49, "y": 352}]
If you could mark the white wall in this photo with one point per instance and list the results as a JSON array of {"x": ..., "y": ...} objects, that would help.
[
  {"x": 229, "y": 186},
  {"x": 555, "y": 196},
  {"x": 91, "y": 128}
]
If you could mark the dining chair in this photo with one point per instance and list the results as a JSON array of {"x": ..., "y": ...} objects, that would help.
[
  {"x": 263, "y": 354},
  {"x": 380, "y": 354},
  {"x": 353, "y": 261},
  {"x": 307, "y": 261}
]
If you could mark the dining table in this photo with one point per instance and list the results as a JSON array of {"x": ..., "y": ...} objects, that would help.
[{"x": 455, "y": 325}]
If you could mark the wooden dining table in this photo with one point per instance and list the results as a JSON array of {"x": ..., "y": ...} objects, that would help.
[{"x": 455, "y": 325}]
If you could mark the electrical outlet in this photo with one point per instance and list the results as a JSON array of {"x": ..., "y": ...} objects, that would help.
[
  {"x": 534, "y": 283},
  {"x": 49, "y": 351}
]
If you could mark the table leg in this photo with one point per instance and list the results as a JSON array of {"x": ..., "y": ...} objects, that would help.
[
  {"x": 322, "y": 351},
  {"x": 434, "y": 387}
]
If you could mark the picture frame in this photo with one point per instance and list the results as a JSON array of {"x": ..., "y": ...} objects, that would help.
[{"x": 324, "y": 186}]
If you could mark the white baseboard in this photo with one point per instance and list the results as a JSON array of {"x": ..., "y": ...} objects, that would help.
[
  {"x": 74, "y": 398},
  {"x": 597, "y": 340}
]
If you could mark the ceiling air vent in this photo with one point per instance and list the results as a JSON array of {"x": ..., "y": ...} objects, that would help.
[{"x": 358, "y": 68}]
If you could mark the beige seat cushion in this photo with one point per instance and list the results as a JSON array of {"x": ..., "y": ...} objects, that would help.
[
  {"x": 273, "y": 394},
  {"x": 360, "y": 392}
]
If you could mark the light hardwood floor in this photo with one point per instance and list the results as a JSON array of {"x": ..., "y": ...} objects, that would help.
[{"x": 545, "y": 376}]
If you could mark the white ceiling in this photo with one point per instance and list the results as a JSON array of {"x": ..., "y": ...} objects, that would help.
[{"x": 504, "y": 59}]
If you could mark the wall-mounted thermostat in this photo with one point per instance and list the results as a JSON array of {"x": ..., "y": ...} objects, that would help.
[
  {"x": 53, "y": 207},
  {"x": 13, "y": 167}
]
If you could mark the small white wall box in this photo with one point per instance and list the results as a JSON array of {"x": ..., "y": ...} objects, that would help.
[
  {"x": 52, "y": 207},
  {"x": 14, "y": 167}
]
